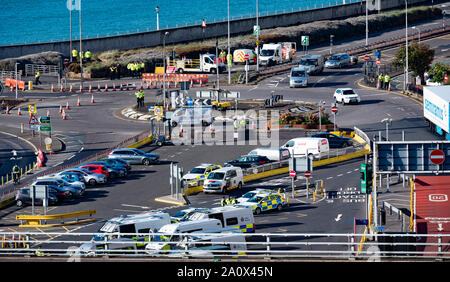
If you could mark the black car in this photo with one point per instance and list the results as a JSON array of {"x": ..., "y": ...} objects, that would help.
[
  {"x": 334, "y": 140},
  {"x": 23, "y": 197},
  {"x": 248, "y": 161}
]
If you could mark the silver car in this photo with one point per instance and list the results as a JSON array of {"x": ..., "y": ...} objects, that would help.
[
  {"x": 134, "y": 156},
  {"x": 90, "y": 178},
  {"x": 338, "y": 61},
  {"x": 74, "y": 191}
]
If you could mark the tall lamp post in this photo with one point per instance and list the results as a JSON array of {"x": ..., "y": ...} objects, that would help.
[
  {"x": 406, "y": 49},
  {"x": 228, "y": 42},
  {"x": 157, "y": 17},
  {"x": 367, "y": 23},
  {"x": 257, "y": 37},
  {"x": 81, "y": 55},
  {"x": 164, "y": 77}
]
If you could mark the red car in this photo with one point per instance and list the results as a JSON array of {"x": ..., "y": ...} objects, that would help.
[{"x": 96, "y": 169}]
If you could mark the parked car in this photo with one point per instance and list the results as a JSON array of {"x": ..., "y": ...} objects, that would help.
[
  {"x": 101, "y": 169},
  {"x": 118, "y": 161},
  {"x": 334, "y": 141},
  {"x": 224, "y": 179},
  {"x": 23, "y": 197},
  {"x": 134, "y": 156},
  {"x": 90, "y": 178},
  {"x": 74, "y": 191},
  {"x": 71, "y": 177},
  {"x": 346, "y": 96},
  {"x": 114, "y": 170},
  {"x": 60, "y": 181},
  {"x": 248, "y": 161},
  {"x": 200, "y": 172},
  {"x": 338, "y": 61}
]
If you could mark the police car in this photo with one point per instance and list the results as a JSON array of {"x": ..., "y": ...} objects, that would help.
[
  {"x": 264, "y": 202},
  {"x": 247, "y": 196},
  {"x": 199, "y": 173}
]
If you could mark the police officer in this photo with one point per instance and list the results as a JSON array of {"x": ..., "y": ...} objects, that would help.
[
  {"x": 16, "y": 173},
  {"x": 118, "y": 71},
  {"x": 138, "y": 98},
  {"x": 75, "y": 54},
  {"x": 223, "y": 202},
  {"x": 381, "y": 80},
  {"x": 88, "y": 55},
  {"x": 142, "y": 97},
  {"x": 112, "y": 72},
  {"x": 36, "y": 78},
  {"x": 387, "y": 78}
]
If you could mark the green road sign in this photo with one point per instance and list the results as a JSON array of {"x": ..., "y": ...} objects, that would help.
[
  {"x": 45, "y": 127},
  {"x": 305, "y": 40},
  {"x": 256, "y": 30},
  {"x": 44, "y": 119},
  {"x": 366, "y": 178}
]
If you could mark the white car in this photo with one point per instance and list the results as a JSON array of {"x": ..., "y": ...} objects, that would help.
[{"x": 346, "y": 96}]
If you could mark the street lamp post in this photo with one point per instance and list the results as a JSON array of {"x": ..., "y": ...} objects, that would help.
[
  {"x": 228, "y": 42},
  {"x": 406, "y": 43},
  {"x": 157, "y": 17},
  {"x": 70, "y": 35},
  {"x": 257, "y": 37},
  {"x": 367, "y": 23},
  {"x": 164, "y": 78}
]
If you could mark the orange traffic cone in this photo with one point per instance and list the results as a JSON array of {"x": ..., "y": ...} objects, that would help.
[
  {"x": 142, "y": 87},
  {"x": 90, "y": 88},
  {"x": 127, "y": 86},
  {"x": 389, "y": 88},
  {"x": 53, "y": 89},
  {"x": 106, "y": 88},
  {"x": 67, "y": 105},
  {"x": 61, "y": 89},
  {"x": 98, "y": 87},
  {"x": 64, "y": 114},
  {"x": 121, "y": 87},
  {"x": 19, "y": 113},
  {"x": 192, "y": 83},
  {"x": 81, "y": 89},
  {"x": 78, "y": 101},
  {"x": 60, "y": 108},
  {"x": 7, "y": 110},
  {"x": 201, "y": 83},
  {"x": 92, "y": 99},
  {"x": 71, "y": 89},
  {"x": 114, "y": 87}
]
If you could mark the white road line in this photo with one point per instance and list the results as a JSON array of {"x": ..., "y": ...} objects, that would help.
[
  {"x": 71, "y": 157},
  {"x": 331, "y": 177},
  {"x": 348, "y": 172},
  {"x": 134, "y": 206},
  {"x": 340, "y": 175}
]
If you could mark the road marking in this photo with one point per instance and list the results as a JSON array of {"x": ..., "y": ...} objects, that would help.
[
  {"x": 331, "y": 177},
  {"x": 338, "y": 217},
  {"x": 348, "y": 172},
  {"x": 134, "y": 206},
  {"x": 71, "y": 157},
  {"x": 339, "y": 175}
]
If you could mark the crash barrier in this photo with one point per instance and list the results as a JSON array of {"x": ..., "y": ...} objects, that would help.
[
  {"x": 174, "y": 77},
  {"x": 20, "y": 84},
  {"x": 41, "y": 220},
  {"x": 7, "y": 192},
  {"x": 277, "y": 168},
  {"x": 333, "y": 246}
]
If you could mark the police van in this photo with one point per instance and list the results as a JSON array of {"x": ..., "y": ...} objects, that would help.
[
  {"x": 224, "y": 179},
  {"x": 235, "y": 217},
  {"x": 168, "y": 234}
]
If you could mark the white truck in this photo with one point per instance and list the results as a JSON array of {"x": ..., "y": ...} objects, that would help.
[
  {"x": 206, "y": 63},
  {"x": 273, "y": 54},
  {"x": 436, "y": 109}
]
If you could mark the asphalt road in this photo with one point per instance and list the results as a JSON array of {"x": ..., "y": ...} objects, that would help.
[{"x": 25, "y": 154}]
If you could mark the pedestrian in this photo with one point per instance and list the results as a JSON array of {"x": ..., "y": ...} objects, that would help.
[
  {"x": 223, "y": 56},
  {"x": 118, "y": 71},
  {"x": 112, "y": 72},
  {"x": 36, "y": 78},
  {"x": 223, "y": 202},
  {"x": 138, "y": 98},
  {"x": 381, "y": 80},
  {"x": 387, "y": 78}
]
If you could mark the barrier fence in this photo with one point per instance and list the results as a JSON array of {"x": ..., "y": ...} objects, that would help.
[
  {"x": 174, "y": 77},
  {"x": 20, "y": 84},
  {"x": 340, "y": 246},
  {"x": 45, "y": 70}
]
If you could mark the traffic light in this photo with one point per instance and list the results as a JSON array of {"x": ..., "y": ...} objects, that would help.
[{"x": 366, "y": 178}]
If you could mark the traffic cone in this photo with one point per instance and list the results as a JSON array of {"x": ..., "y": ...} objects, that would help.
[
  {"x": 106, "y": 88},
  {"x": 64, "y": 114},
  {"x": 60, "y": 108},
  {"x": 114, "y": 87},
  {"x": 192, "y": 83},
  {"x": 67, "y": 105},
  {"x": 201, "y": 83},
  {"x": 121, "y": 87},
  {"x": 92, "y": 99},
  {"x": 52, "y": 89},
  {"x": 81, "y": 89},
  {"x": 19, "y": 113},
  {"x": 78, "y": 101},
  {"x": 48, "y": 113},
  {"x": 61, "y": 89},
  {"x": 71, "y": 89},
  {"x": 127, "y": 86},
  {"x": 7, "y": 110},
  {"x": 142, "y": 87},
  {"x": 389, "y": 87},
  {"x": 11, "y": 89},
  {"x": 378, "y": 84},
  {"x": 90, "y": 88},
  {"x": 98, "y": 87},
  {"x": 180, "y": 133}
]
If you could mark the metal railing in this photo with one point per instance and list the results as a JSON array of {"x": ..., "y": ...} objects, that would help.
[
  {"x": 373, "y": 247},
  {"x": 9, "y": 74},
  {"x": 45, "y": 70}
]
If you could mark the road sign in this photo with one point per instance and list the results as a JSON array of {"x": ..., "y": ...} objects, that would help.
[
  {"x": 334, "y": 109},
  {"x": 189, "y": 101},
  {"x": 292, "y": 173},
  {"x": 33, "y": 120},
  {"x": 305, "y": 40},
  {"x": 378, "y": 62},
  {"x": 170, "y": 69},
  {"x": 44, "y": 119},
  {"x": 307, "y": 174},
  {"x": 159, "y": 110},
  {"x": 203, "y": 23},
  {"x": 32, "y": 109},
  {"x": 256, "y": 30},
  {"x": 366, "y": 58},
  {"x": 45, "y": 127},
  {"x": 445, "y": 78},
  {"x": 437, "y": 157}
]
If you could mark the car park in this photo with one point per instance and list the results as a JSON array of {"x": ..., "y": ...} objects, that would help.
[
  {"x": 117, "y": 161},
  {"x": 134, "y": 156},
  {"x": 100, "y": 169},
  {"x": 248, "y": 161},
  {"x": 338, "y": 61},
  {"x": 74, "y": 190},
  {"x": 334, "y": 140},
  {"x": 346, "y": 96},
  {"x": 223, "y": 179},
  {"x": 113, "y": 170},
  {"x": 199, "y": 173},
  {"x": 90, "y": 178},
  {"x": 23, "y": 197},
  {"x": 298, "y": 77},
  {"x": 265, "y": 202}
]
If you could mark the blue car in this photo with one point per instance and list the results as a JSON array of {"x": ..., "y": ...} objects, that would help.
[{"x": 334, "y": 140}]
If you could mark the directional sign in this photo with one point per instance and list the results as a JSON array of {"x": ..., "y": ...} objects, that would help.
[
  {"x": 292, "y": 173},
  {"x": 44, "y": 119},
  {"x": 305, "y": 40},
  {"x": 437, "y": 157},
  {"x": 307, "y": 174},
  {"x": 45, "y": 127}
]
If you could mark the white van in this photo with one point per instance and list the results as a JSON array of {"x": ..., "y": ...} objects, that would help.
[
  {"x": 192, "y": 115},
  {"x": 223, "y": 179},
  {"x": 317, "y": 147},
  {"x": 172, "y": 232},
  {"x": 240, "y": 218},
  {"x": 273, "y": 154}
]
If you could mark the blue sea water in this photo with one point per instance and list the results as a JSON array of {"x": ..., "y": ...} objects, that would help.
[{"x": 29, "y": 21}]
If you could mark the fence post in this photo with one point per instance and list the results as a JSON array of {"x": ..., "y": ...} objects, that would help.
[{"x": 268, "y": 245}]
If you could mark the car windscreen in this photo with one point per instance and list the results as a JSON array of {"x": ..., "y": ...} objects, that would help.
[
  {"x": 267, "y": 52},
  {"x": 198, "y": 170},
  {"x": 248, "y": 195},
  {"x": 216, "y": 175},
  {"x": 298, "y": 74},
  {"x": 255, "y": 199},
  {"x": 334, "y": 58},
  {"x": 348, "y": 92},
  {"x": 309, "y": 62}
]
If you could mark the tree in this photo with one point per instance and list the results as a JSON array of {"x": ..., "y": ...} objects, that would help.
[
  {"x": 420, "y": 57},
  {"x": 437, "y": 72}
]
